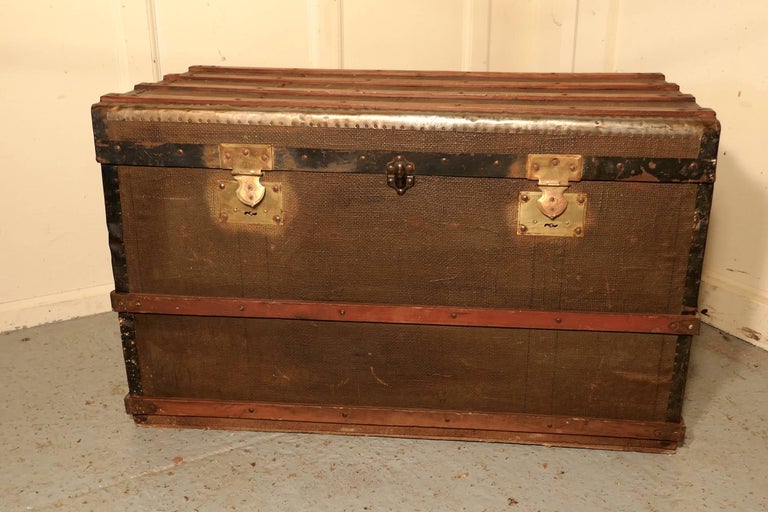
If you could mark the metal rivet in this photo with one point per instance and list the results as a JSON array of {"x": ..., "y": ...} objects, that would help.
[
  {"x": 454, "y": 315},
  {"x": 246, "y": 151},
  {"x": 250, "y": 187},
  {"x": 535, "y": 167},
  {"x": 580, "y": 199},
  {"x": 275, "y": 188},
  {"x": 577, "y": 231},
  {"x": 399, "y": 157},
  {"x": 443, "y": 160},
  {"x": 693, "y": 166},
  {"x": 264, "y": 157},
  {"x": 242, "y": 308},
  {"x": 222, "y": 186},
  {"x": 496, "y": 163},
  {"x": 117, "y": 147},
  {"x": 179, "y": 151},
  {"x": 524, "y": 198},
  {"x": 344, "y": 415},
  {"x": 690, "y": 327},
  {"x": 391, "y": 168},
  {"x": 409, "y": 167},
  {"x": 555, "y": 161},
  {"x": 558, "y": 320},
  {"x": 304, "y": 158},
  {"x": 362, "y": 158},
  {"x": 227, "y": 155},
  {"x": 523, "y": 228},
  {"x": 651, "y": 165},
  {"x": 620, "y": 166},
  {"x": 342, "y": 312},
  {"x": 250, "y": 409},
  {"x": 223, "y": 217},
  {"x": 277, "y": 218},
  {"x": 138, "y": 304}
]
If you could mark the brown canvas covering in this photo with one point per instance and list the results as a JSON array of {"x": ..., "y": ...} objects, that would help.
[{"x": 450, "y": 241}]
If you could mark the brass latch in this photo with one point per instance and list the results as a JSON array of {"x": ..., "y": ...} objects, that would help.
[
  {"x": 246, "y": 200},
  {"x": 247, "y": 161},
  {"x": 556, "y": 213}
]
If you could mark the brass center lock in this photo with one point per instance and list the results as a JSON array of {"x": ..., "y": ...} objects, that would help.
[
  {"x": 400, "y": 174},
  {"x": 552, "y": 211}
]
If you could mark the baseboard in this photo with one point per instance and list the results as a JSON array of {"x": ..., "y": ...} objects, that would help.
[
  {"x": 734, "y": 309},
  {"x": 53, "y": 308}
]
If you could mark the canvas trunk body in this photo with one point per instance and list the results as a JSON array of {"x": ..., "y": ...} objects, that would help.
[{"x": 486, "y": 256}]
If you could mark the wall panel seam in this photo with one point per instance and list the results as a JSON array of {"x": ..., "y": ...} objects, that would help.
[{"x": 154, "y": 44}]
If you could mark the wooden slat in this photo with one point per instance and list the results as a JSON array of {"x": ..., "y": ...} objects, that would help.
[
  {"x": 348, "y": 91},
  {"x": 403, "y": 314},
  {"x": 328, "y": 72},
  {"x": 572, "y": 441},
  {"x": 470, "y": 102},
  {"x": 471, "y": 81},
  {"x": 424, "y": 418}
]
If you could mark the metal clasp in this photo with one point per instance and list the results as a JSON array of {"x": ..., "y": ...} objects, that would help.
[
  {"x": 557, "y": 213},
  {"x": 399, "y": 174},
  {"x": 554, "y": 172},
  {"x": 247, "y": 161}
]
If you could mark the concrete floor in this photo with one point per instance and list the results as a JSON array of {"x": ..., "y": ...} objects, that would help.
[{"x": 66, "y": 444}]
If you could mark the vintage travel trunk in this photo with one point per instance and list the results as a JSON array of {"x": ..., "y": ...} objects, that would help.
[{"x": 485, "y": 256}]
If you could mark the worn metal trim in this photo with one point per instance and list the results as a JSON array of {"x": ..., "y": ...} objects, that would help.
[
  {"x": 490, "y": 165},
  {"x": 403, "y": 314},
  {"x": 130, "y": 353},
  {"x": 483, "y": 421},
  {"x": 114, "y": 217},
  {"x": 679, "y": 378},
  {"x": 405, "y": 121},
  {"x": 700, "y": 226}
]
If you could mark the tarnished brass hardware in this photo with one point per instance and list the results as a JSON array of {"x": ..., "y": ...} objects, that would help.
[
  {"x": 231, "y": 210},
  {"x": 554, "y": 173},
  {"x": 400, "y": 174},
  {"x": 247, "y": 161},
  {"x": 531, "y": 221}
]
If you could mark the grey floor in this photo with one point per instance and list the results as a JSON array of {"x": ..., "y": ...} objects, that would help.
[{"x": 66, "y": 444}]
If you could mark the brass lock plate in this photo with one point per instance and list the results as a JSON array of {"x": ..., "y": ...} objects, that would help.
[
  {"x": 231, "y": 210},
  {"x": 531, "y": 221}
]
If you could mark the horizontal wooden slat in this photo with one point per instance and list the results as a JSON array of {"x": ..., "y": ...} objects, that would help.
[
  {"x": 424, "y": 418},
  {"x": 455, "y": 434},
  {"x": 465, "y": 82},
  {"x": 347, "y": 91},
  {"x": 403, "y": 314},
  {"x": 346, "y": 73}
]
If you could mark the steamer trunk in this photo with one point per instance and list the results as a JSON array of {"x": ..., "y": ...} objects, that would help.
[{"x": 486, "y": 256}]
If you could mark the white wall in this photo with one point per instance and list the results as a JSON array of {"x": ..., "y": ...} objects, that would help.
[{"x": 59, "y": 57}]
